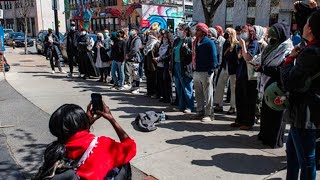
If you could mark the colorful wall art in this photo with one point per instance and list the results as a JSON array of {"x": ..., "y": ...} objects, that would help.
[{"x": 161, "y": 17}]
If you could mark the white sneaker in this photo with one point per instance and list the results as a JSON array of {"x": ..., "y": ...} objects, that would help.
[
  {"x": 114, "y": 87},
  {"x": 53, "y": 72},
  {"x": 137, "y": 91},
  {"x": 187, "y": 111},
  {"x": 207, "y": 119},
  {"x": 127, "y": 86},
  {"x": 79, "y": 75},
  {"x": 120, "y": 88},
  {"x": 63, "y": 72}
]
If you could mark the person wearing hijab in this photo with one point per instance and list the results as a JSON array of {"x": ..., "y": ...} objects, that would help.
[
  {"x": 280, "y": 45},
  {"x": 151, "y": 50},
  {"x": 246, "y": 90},
  {"x": 100, "y": 57}
]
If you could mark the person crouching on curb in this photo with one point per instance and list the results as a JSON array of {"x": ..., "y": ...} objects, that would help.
[
  {"x": 205, "y": 61},
  {"x": 71, "y": 125}
]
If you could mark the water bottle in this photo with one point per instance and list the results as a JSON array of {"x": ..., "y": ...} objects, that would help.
[{"x": 162, "y": 117}]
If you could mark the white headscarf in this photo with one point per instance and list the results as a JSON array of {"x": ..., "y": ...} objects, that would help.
[{"x": 261, "y": 33}]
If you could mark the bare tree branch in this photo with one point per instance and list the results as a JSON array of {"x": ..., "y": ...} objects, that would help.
[{"x": 213, "y": 5}]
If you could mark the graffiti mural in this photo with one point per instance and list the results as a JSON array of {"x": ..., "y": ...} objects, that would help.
[
  {"x": 83, "y": 13},
  {"x": 158, "y": 16}
]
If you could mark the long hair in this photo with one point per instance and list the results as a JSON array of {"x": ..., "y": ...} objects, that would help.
[
  {"x": 233, "y": 37},
  {"x": 65, "y": 122}
]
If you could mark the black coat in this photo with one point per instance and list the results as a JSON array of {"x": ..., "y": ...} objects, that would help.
[
  {"x": 118, "y": 50},
  {"x": 103, "y": 52},
  {"x": 303, "y": 103},
  {"x": 185, "y": 57},
  {"x": 230, "y": 59},
  {"x": 72, "y": 41}
]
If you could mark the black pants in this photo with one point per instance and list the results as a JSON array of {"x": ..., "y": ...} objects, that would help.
[
  {"x": 54, "y": 55},
  {"x": 71, "y": 60},
  {"x": 164, "y": 88},
  {"x": 246, "y": 97},
  {"x": 151, "y": 82},
  {"x": 104, "y": 73}
]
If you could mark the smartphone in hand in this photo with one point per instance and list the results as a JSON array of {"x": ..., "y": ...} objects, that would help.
[{"x": 97, "y": 104}]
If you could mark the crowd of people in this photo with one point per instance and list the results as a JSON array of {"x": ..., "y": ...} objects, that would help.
[{"x": 251, "y": 62}]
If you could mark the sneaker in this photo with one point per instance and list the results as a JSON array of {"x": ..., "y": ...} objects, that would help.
[
  {"x": 70, "y": 75},
  {"x": 207, "y": 119},
  {"x": 53, "y": 72},
  {"x": 218, "y": 109},
  {"x": 235, "y": 125},
  {"x": 137, "y": 91},
  {"x": 63, "y": 72},
  {"x": 187, "y": 111},
  {"x": 127, "y": 86},
  {"x": 120, "y": 88},
  {"x": 79, "y": 75},
  {"x": 245, "y": 128},
  {"x": 231, "y": 111},
  {"x": 176, "y": 109}
]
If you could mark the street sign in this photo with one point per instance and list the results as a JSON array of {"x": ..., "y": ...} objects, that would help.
[
  {"x": 55, "y": 5},
  {"x": 1, "y": 13}
]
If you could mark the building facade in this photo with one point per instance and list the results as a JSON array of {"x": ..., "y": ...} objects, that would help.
[
  {"x": 97, "y": 15},
  {"x": 40, "y": 16},
  {"x": 232, "y": 13}
]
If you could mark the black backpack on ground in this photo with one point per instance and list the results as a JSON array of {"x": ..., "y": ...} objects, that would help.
[{"x": 146, "y": 121}]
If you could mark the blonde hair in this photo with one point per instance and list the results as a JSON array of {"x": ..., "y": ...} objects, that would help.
[
  {"x": 233, "y": 37},
  {"x": 101, "y": 35}
]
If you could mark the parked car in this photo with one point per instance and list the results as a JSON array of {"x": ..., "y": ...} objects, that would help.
[
  {"x": 64, "y": 46},
  {"x": 6, "y": 33},
  {"x": 18, "y": 39},
  {"x": 41, "y": 38}
]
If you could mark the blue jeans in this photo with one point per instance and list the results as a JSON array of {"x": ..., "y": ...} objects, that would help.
[
  {"x": 301, "y": 149},
  {"x": 184, "y": 88},
  {"x": 119, "y": 81}
]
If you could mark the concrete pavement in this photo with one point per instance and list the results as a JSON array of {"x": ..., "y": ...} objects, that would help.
[{"x": 181, "y": 148}]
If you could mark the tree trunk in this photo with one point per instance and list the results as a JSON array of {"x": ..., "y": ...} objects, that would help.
[{"x": 25, "y": 34}]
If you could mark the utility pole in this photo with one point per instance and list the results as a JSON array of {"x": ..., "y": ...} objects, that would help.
[
  {"x": 184, "y": 8},
  {"x": 55, "y": 7}
]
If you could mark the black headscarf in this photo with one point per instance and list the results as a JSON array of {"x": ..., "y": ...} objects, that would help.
[{"x": 282, "y": 33}]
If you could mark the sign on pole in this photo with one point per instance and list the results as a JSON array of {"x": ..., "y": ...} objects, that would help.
[
  {"x": 2, "y": 39},
  {"x": 55, "y": 5}
]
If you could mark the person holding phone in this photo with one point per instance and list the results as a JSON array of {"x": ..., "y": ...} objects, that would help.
[
  {"x": 71, "y": 125},
  {"x": 300, "y": 77},
  {"x": 100, "y": 57}
]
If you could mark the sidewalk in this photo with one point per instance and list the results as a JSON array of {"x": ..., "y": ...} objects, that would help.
[{"x": 180, "y": 149}]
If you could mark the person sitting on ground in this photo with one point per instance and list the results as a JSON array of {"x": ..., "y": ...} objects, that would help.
[{"x": 71, "y": 125}]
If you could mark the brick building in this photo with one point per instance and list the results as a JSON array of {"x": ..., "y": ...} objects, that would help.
[{"x": 96, "y": 15}]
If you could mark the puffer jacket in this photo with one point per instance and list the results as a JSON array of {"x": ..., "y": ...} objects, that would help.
[{"x": 303, "y": 111}]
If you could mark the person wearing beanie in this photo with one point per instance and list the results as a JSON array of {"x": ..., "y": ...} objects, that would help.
[
  {"x": 205, "y": 62},
  {"x": 213, "y": 34}
]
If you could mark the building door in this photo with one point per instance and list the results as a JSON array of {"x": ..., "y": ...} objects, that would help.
[{"x": 170, "y": 24}]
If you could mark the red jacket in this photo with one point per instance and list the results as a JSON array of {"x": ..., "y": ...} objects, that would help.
[{"x": 107, "y": 154}]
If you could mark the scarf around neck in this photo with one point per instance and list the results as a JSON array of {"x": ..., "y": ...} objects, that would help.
[
  {"x": 152, "y": 41},
  {"x": 274, "y": 59}
]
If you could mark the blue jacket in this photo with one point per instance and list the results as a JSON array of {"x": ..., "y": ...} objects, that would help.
[{"x": 206, "y": 56}]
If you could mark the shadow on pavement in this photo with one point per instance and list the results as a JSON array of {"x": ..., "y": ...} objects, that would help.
[
  {"x": 243, "y": 163},
  {"x": 31, "y": 153}
]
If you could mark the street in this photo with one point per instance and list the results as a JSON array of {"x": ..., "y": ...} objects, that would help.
[{"x": 179, "y": 149}]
